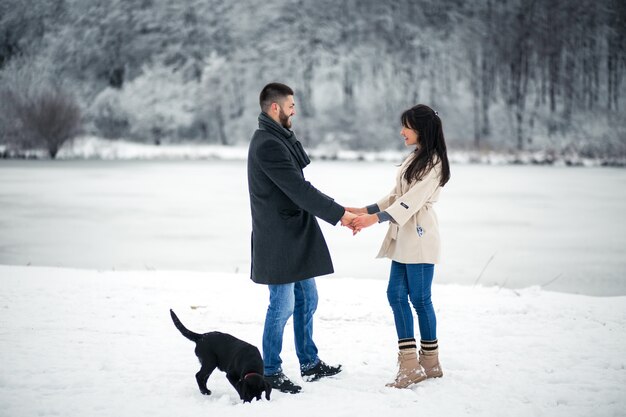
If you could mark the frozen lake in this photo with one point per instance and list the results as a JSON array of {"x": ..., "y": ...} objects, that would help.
[{"x": 512, "y": 226}]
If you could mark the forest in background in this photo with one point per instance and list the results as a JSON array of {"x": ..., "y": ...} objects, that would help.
[{"x": 510, "y": 75}]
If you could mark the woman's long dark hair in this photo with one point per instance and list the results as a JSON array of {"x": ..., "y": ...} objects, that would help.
[{"x": 432, "y": 145}]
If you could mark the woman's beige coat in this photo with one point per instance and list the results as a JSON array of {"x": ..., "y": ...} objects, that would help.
[{"x": 413, "y": 235}]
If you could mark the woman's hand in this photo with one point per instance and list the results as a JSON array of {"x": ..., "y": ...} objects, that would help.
[
  {"x": 363, "y": 221},
  {"x": 355, "y": 210}
]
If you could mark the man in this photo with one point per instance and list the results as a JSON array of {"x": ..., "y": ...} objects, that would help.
[{"x": 288, "y": 248}]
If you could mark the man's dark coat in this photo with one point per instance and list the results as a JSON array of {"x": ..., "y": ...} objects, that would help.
[{"x": 287, "y": 243}]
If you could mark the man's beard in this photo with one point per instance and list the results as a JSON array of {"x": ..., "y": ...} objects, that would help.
[{"x": 284, "y": 119}]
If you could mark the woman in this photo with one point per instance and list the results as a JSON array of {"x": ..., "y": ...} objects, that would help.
[{"x": 412, "y": 242}]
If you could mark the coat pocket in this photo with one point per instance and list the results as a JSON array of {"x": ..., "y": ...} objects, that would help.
[
  {"x": 393, "y": 231},
  {"x": 289, "y": 213}
]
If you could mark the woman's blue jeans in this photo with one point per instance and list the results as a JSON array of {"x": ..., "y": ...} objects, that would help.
[
  {"x": 300, "y": 300},
  {"x": 412, "y": 282}
]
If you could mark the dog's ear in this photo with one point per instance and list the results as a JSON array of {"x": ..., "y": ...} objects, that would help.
[
  {"x": 240, "y": 386},
  {"x": 268, "y": 390},
  {"x": 244, "y": 392}
]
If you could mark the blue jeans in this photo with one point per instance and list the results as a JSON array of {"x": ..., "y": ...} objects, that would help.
[
  {"x": 412, "y": 282},
  {"x": 300, "y": 300}
]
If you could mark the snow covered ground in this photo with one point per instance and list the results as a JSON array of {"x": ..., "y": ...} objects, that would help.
[
  {"x": 153, "y": 235},
  {"x": 89, "y": 343}
]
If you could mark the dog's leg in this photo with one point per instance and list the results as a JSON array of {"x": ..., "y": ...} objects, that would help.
[{"x": 203, "y": 376}]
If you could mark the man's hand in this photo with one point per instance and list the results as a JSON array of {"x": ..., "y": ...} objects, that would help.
[
  {"x": 347, "y": 218},
  {"x": 363, "y": 221},
  {"x": 355, "y": 210}
]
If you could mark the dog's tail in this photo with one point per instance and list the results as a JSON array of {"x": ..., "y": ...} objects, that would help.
[{"x": 194, "y": 337}]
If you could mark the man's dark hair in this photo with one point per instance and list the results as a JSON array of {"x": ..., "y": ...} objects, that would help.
[{"x": 273, "y": 93}]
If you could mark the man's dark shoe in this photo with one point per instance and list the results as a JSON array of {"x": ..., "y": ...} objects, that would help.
[
  {"x": 320, "y": 370},
  {"x": 280, "y": 382}
]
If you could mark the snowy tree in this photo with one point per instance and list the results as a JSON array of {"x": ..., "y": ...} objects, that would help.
[{"x": 37, "y": 112}]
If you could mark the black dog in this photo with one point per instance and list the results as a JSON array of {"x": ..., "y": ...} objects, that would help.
[{"x": 240, "y": 360}]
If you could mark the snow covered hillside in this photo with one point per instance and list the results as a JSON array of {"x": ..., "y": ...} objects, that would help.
[{"x": 90, "y": 343}]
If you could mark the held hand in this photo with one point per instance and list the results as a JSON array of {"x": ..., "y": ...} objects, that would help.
[
  {"x": 355, "y": 210},
  {"x": 363, "y": 221},
  {"x": 347, "y": 218}
]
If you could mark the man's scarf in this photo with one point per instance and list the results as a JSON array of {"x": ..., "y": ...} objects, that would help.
[{"x": 287, "y": 136}]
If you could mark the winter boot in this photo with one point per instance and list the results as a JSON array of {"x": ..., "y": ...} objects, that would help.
[
  {"x": 429, "y": 359},
  {"x": 409, "y": 370},
  {"x": 320, "y": 370},
  {"x": 280, "y": 382}
]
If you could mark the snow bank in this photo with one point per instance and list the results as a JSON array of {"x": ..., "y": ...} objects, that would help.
[
  {"x": 97, "y": 148},
  {"x": 91, "y": 147},
  {"x": 90, "y": 343}
]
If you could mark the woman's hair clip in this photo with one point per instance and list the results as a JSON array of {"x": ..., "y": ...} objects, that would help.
[{"x": 436, "y": 112}]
